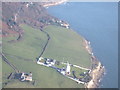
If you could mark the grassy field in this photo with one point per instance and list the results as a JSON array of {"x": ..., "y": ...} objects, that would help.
[
  {"x": 29, "y": 47},
  {"x": 63, "y": 44},
  {"x": 66, "y": 45}
]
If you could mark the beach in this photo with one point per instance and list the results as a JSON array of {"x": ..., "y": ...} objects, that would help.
[{"x": 48, "y": 4}]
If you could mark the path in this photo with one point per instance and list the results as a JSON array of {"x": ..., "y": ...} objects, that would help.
[{"x": 77, "y": 66}]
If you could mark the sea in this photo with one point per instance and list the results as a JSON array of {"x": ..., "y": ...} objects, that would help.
[{"x": 98, "y": 23}]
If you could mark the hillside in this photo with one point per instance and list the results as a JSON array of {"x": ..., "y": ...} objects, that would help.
[
  {"x": 24, "y": 12},
  {"x": 30, "y": 32},
  {"x": 23, "y": 54},
  {"x": 34, "y": 14}
]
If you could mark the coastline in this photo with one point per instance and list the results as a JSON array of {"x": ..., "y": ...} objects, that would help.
[
  {"x": 106, "y": 59},
  {"x": 54, "y": 3},
  {"x": 96, "y": 74},
  {"x": 97, "y": 69}
]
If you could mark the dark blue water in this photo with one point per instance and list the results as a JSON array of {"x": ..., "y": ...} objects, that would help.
[{"x": 98, "y": 23}]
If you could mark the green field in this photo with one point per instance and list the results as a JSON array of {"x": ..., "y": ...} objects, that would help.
[{"x": 64, "y": 43}]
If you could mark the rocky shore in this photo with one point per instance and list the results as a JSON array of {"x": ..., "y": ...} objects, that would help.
[
  {"x": 96, "y": 75},
  {"x": 97, "y": 69}
]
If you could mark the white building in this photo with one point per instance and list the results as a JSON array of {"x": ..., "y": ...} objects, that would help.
[
  {"x": 63, "y": 72},
  {"x": 41, "y": 58},
  {"x": 50, "y": 62},
  {"x": 26, "y": 77},
  {"x": 68, "y": 69},
  {"x": 23, "y": 75}
]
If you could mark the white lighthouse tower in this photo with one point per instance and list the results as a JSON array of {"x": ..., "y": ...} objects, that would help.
[{"x": 68, "y": 69}]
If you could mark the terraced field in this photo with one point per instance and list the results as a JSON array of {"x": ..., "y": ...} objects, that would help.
[{"x": 64, "y": 43}]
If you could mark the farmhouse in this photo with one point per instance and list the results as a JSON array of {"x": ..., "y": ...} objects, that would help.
[
  {"x": 26, "y": 77},
  {"x": 65, "y": 25},
  {"x": 46, "y": 62}
]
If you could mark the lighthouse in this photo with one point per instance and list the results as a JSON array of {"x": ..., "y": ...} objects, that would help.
[{"x": 68, "y": 69}]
